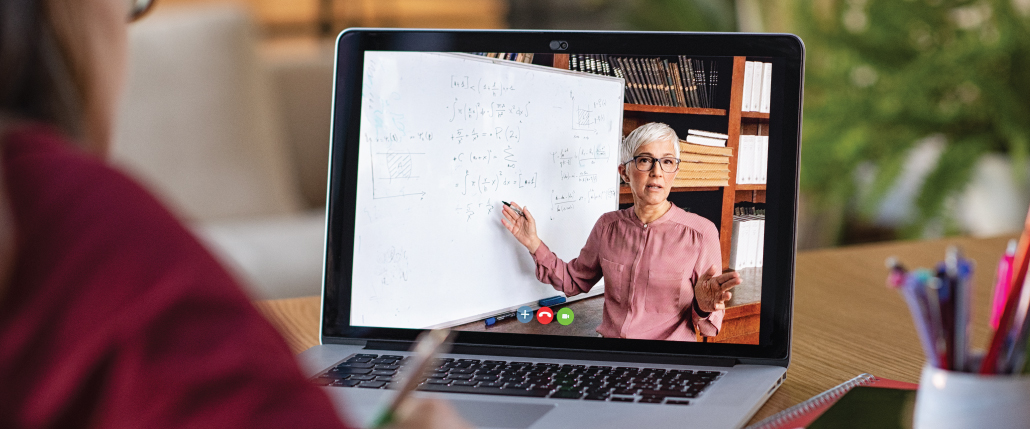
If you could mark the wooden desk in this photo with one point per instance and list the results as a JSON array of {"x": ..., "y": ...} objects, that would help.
[{"x": 845, "y": 321}]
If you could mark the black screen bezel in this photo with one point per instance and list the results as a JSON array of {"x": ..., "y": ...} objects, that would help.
[{"x": 787, "y": 54}]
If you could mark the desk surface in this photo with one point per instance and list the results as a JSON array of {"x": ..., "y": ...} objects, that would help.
[{"x": 846, "y": 321}]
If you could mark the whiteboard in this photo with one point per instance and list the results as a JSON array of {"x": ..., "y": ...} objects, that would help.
[{"x": 445, "y": 138}]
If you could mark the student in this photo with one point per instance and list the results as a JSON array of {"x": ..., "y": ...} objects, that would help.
[
  {"x": 660, "y": 264},
  {"x": 111, "y": 313}
]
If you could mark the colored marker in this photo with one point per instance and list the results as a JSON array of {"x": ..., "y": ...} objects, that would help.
[
  {"x": 519, "y": 212},
  {"x": 552, "y": 301},
  {"x": 1002, "y": 283},
  {"x": 490, "y": 321}
]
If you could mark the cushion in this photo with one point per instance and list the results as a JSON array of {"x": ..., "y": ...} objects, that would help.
[{"x": 198, "y": 124}]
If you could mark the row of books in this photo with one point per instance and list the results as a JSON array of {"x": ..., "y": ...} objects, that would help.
[
  {"x": 757, "y": 87},
  {"x": 747, "y": 242},
  {"x": 752, "y": 159},
  {"x": 684, "y": 82},
  {"x": 510, "y": 56},
  {"x": 704, "y": 161}
]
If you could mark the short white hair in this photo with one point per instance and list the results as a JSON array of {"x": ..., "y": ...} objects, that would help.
[{"x": 647, "y": 133}]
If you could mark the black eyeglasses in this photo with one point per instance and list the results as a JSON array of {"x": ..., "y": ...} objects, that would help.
[
  {"x": 646, "y": 163},
  {"x": 138, "y": 8}
]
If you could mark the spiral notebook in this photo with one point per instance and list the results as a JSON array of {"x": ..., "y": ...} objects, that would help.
[{"x": 803, "y": 414}]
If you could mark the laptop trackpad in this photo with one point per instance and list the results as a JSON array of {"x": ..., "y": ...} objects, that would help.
[{"x": 512, "y": 415}]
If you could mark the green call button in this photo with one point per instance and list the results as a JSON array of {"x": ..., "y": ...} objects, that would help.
[{"x": 565, "y": 316}]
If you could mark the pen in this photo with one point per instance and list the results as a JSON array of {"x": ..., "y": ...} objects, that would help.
[
  {"x": 896, "y": 278},
  {"x": 1019, "y": 266},
  {"x": 910, "y": 289},
  {"x": 490, "y": 321},
  {"x": 932, "y": 287},
  {"x": 519, "y": 212},
  {"x": 1002, "y": 283},
  {"x": 956, "y": 272},
  {"x": 429, "y": 344}
]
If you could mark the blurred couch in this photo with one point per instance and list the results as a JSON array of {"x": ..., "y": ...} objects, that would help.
[{"x": 233, "y": 134}]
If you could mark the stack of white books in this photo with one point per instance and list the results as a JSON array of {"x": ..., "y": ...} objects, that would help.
[
  {"x": 748, "y": 241},
  {"x": 757, "y": 87},
  {"x": 752, "y": 160}
]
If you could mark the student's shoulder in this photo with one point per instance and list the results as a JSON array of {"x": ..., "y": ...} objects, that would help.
[
  {"x": 73, "y": 210},
  {"x": 50, "y": 178}
]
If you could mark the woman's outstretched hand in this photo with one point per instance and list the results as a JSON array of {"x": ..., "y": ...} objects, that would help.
[
  {"x": 523, "y": 227},
  {"x": 712, "y": 291}
]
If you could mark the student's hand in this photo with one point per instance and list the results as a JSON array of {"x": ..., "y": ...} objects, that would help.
[
  {"x": 429, "y": 414},
  {"x": 712, "y": 291},
  {"x": 522, "y": 227}
]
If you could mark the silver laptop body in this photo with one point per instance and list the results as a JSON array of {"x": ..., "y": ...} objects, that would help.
[{"x": 736, "y": 378}]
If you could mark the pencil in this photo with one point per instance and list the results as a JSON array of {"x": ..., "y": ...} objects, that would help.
[
  {"x": 429, "y": 345},
  {"x": 1019, "y": 264}
]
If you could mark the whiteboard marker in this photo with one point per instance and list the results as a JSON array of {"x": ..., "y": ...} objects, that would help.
[
  {"x": 552, "y": 301},
  {"x": 490, "y": 321},
  {"x": 519, "y": 212}
]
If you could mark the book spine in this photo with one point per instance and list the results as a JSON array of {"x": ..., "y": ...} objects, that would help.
[
  {"x": 638, "y": 84},
  {"x": 715, "y": 82},
  {"x": 685, "y": 76},
  {"x": 631, "y": 84},
  {"x": 693, "y": 83},
  {"x": 711, "y": 134},
  {"x": 627, "y": 96},
  {"x": 674, "y": 80},
  {"x": 652, "y": 92},
  {"x": 666, "y": 77},
  {"x": 766, "y": 88},
  {"x": 660, "y": 73},
  {"x": 756, "y": 87},
  {"x": 749, "y": 69},
  {"x": 678, "y": 78},
  {"x": 707, "y": 141},
  {"x": 658, "y": 86},
  {"x": 656, "y": 89},
  {"x": 763, "y": 159}
]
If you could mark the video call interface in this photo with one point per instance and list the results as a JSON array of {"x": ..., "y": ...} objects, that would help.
[{"x": 458, "y": 148}]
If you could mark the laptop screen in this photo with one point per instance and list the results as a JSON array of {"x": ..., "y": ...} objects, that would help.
[{"x": 612, "y": 196}]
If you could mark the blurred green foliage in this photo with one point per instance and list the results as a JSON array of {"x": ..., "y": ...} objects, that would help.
[
  {"x": 883, "y": 74},
  {"x": 682, "y": 15}
]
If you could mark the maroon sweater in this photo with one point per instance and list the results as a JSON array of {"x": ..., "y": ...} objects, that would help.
[{"x": 115, "y": 316}]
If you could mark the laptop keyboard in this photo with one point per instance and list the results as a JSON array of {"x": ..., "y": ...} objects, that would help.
[{"x": 528, "y": 379}]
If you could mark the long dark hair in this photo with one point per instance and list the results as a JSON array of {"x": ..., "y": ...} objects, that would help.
[{"x": 38, "y": 75}]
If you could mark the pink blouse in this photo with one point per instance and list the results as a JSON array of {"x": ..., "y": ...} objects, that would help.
[{"x": 649, "y": 273}]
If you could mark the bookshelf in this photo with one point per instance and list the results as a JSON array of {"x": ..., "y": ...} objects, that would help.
[
  {"x": 741, "y": 321},
  {"x": 737, "y": 123}
]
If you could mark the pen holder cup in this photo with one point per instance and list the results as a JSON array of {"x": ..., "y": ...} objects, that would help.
[{"x": 949, "y": 399}]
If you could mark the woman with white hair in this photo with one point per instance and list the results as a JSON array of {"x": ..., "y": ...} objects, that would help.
[{"x": 661, "y": 265}]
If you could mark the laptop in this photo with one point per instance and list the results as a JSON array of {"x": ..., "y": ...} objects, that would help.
[{"x": 436, "y": 131}]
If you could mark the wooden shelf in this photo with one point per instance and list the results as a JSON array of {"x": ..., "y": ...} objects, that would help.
[
  {"x": 680, "y": 110},
  {"x": 737, "y": 123},
  {"x": 757, "y": 115}
]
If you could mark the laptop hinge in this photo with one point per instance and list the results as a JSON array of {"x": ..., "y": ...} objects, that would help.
[{"x": 595, "y": 355}]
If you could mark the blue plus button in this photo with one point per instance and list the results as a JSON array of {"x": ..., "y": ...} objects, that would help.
[{"x": 524, "y": 314}]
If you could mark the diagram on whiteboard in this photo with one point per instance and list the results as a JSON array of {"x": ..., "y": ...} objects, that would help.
[{"x": 444, "y": 139}]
